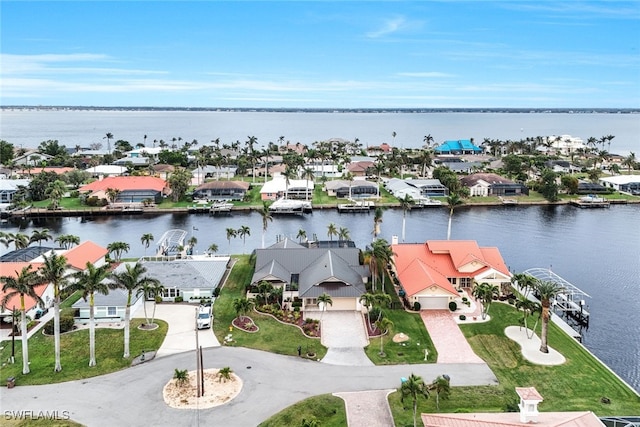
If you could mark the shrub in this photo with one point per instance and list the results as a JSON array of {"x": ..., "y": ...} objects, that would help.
[
  {"x": 66, "y": 324},
  {"x": 178, "y": 299},
  {"x": 416, "y": 306},
  {"x": 512, "y": 301},
  {"x": 453, "y": 306},
  {"x": 158, "y": 298},
  {"x": 216, "y": 292},
  {"x": 375, "y": 313},
  {"x": 462, "y": 317},
  {"x": 465, "y": 299}
]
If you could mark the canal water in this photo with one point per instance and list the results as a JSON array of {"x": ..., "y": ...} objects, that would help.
[{"x": 597, "y": 250}]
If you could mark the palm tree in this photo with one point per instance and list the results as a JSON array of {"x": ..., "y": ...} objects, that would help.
[
  {"x": 20, "y": 240},
  {"x": 192, "y": 242},
  {"x": 242, "y": 306},
  {"x": 383, "y": 325},
  {"x": 368, "y": 300},
  {"x": 243, "y": 232},
  {"x": 66, "y": 241},
  {"x": 23, "y": 284},
  {"x": 405, "y": 203},
  {"x": 485, "y": 292},
  {"x": 324, "y": 299},
  {"x": 301, "y": 235},
  {"x": 377, "y": 220},
  {"x": 53, "y": 271},
  {"x": 146, "y": 240},
  {"x": 307, "y": 174},
  {"x": 343, "y": 234},
  {"x": 108, "y": 137},
  {"x": 224, "y": 374},
  {"x": 453, "y": 200},
  {"x": 88, "y": 282},
  {"x": 231, "y": 233},
  {"x": 131, "y": 280},
  {"x": 117, "y": 249},
  {"x": 441, "y": 385},
  {"x": 546, "y": 291},
  {"x": 266, "y": 217},
  {"x": 332, "y": 231},
  {"x": 528, "y": 308},
  {"x": 414, "y": 387},
  {"x": 265, "y": 288},
  {"x": 381, "y": 256},
  {"x": 212, "y": 248},
  {"x": 39, "y": 236},
  {"x": 147, "y": 290}
]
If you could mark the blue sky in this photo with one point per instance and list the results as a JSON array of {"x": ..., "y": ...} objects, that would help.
[{"x": 321, "y": 54}]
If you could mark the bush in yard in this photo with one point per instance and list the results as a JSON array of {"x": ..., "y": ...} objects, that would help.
[
  {"x": 462, "y": 317},
  {"x": 416, "y": 306},
  {"x": 453, "y": 306},
  {"x": 66, "y": 324}
]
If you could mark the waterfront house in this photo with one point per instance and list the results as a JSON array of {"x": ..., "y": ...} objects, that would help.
[
  {"x": 306, "y": 273},
  {"x": 189, "y": 279},
  {"x": 293, "y": 189},
  {"x": 9, "y": 187},
  {"x": 490, "y": 184},
  {"x": 31, "y": 159},
  {"x": 356, "y": 189},
  {"x": 221, "y": 190},
  {"x": 460, "y": 146},
  {"x": 624, "y": 183},
  {"x": 162, "y": 170},
  {"x": 432, "y": 273},
  {"x": 199, "y": 175},
  {"x": 361, "y": 168},
  {"x": 132, "y": 189},
  {"x": 416, "y": 188}
]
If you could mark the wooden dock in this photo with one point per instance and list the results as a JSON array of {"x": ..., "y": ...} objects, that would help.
[{"x": 355, "y": 207}]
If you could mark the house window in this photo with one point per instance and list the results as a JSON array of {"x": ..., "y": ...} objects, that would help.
[
  {"x": 171, "y": 293},
  {"x": 466, "y": 282},
  {"x": 111, "y": 311},
  {"x": 311, "y": 301}
]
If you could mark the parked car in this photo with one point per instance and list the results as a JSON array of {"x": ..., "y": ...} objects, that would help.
[{"x": 205, "y": 317}]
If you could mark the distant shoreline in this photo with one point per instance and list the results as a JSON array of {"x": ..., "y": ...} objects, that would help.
[{"x": 328, "y": 110}]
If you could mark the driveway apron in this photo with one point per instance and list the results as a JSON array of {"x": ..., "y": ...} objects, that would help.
[
  {"x": 344, "y": 335},
  {"x": 447, "y": 337}
]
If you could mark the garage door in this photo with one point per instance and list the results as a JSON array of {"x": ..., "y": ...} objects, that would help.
[
  {"x": 343, "y": 304},
  {"x": 434, "y": 303}
]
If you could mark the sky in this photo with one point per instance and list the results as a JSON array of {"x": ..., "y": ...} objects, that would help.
[{"x": 321, "y": 54}]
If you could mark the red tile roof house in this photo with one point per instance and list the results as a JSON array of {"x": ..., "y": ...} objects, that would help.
[
  {"x": 133, "y": 189},
  {"x": 77, "y": 258},
  {"x": 432, "y": 273}
]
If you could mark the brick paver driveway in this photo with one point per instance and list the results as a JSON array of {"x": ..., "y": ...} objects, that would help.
[{"x": 445, "y": 333}]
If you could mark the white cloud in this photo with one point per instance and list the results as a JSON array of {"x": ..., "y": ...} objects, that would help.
[{"x": 391, "y": 26}]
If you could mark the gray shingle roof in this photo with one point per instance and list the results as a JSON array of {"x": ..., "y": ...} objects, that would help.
[{"x": 189, "y": 273}]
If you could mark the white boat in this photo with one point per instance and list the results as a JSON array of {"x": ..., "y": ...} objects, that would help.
[
  {"x": 289, "y": 206},
  {"x": 221, "y": 206},
  {"x": 427, "y": 202}
]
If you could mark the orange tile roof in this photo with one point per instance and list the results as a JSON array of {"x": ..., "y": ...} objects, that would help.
[
  {"x": 12, "y": 269},
  {"x": 512, "y": 419},
  {"x": 124, "y": 183},
  {"x": 420, "y": 266},
  {"x": 78, "y": 256}
]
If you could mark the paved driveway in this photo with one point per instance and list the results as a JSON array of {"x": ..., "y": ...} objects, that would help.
[
  {"x": 344, "y": 335},
  {"x": 447, "y": 337},
  {"x": 181, "y": 335}
]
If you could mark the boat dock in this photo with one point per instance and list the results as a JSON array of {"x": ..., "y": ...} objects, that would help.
[
  {"x": 290, "y": 207},
  {"x": 355, "y": 207},
  {"x": 590, "y": 202}
]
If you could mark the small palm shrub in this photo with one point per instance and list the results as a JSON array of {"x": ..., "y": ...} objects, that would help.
[{"x": 181, "y": 376}]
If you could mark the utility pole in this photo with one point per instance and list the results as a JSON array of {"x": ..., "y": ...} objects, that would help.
[{"x": 197, "y": 357}]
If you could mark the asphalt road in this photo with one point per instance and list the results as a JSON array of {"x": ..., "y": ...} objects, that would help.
[{"x": 133, "y": 397}]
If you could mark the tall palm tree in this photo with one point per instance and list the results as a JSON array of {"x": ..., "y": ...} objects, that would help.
[
  {"x": 307, "y": 174},
  {"x": 343, "y": 234},
  {"x": 20, "y": 240},
  {"x": 265, "y": 288},
  {"x": 117, "y": 249},
  {"x": 368, "y": 300},
  {"x": 441, "y": 385},
  {"x": 231, "y": 233},
  {"x": 146, "y": 240},
  {"x": 89, "y": 282},
  {"x": 23, "y": 284},
  {"x": 381, "y": 256},
  {"x": 546, "y": 291},
  {"x": 39, "y": 236},
  {"x": 324, "y": 299},
  {"x": 377, "y": 220},
  {"x": 332, "y": 231},
  {"x": 528, "y": 308},
  {"x": 413, "y": 388},
  {"x": 453, "y": 200},
  {"x": 108, "y": 137},
  {"x": 383, "y": 325},
  {"x": 243, "y": 232},
  {"x": 406, "y": 203},
  {"x": 150, "y": 290},
  {"x": 266, "y": 217},
  {"x": 130, "y": 280},
  {"x": 54, "y": 271}
]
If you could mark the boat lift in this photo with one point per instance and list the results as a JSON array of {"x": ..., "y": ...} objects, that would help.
[{"x": 571, "y": 303}]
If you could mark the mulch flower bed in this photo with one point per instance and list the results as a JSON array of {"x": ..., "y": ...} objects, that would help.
[{"x": 245, "y": 323}]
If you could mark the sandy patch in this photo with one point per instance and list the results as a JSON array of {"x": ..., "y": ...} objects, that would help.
[
  {"x": 216, "y": 392},
  {"x": 531, "y": 347}
]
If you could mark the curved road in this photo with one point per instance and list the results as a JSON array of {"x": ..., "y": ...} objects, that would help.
[{"x": 133, "y": 397}]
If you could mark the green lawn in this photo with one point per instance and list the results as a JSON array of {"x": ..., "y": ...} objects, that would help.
[
  {"x": 272, "y": 336},
  {"x": 74, "y": 351},
  {"x": 328, "y": 410},
  {"x": 42, "y": 422}
]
